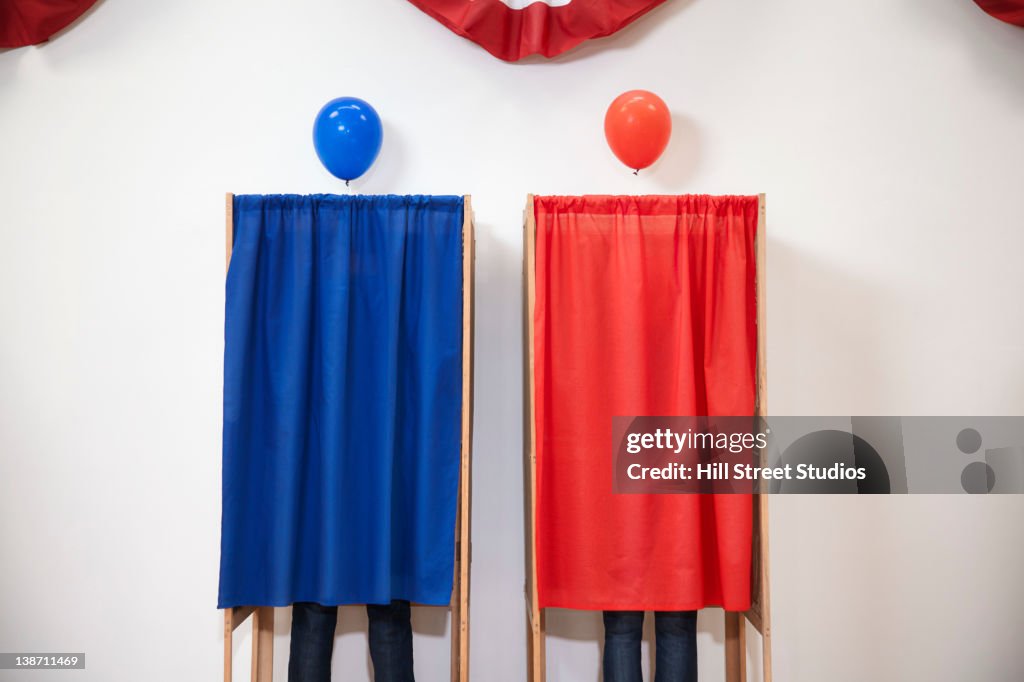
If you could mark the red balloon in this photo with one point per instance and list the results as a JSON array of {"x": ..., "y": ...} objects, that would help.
[{"x": 637, "y": 126}]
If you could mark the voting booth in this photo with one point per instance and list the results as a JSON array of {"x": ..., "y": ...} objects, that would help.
[
  {"x": 347, "y": 409},
  {"x": 651, "y": 305}
]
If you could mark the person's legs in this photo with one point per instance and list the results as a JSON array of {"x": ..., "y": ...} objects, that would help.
[
  {"x": 675, "y": 646},
  {"x": 391, "y": 641},
  {"x": 623, "y": 631},
  {"x": 312, "y": 642}
]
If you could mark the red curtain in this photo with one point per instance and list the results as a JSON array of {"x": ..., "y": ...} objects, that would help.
[{"x": 644, "y": 306}]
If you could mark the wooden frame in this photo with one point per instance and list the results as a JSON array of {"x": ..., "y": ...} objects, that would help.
[
  {"x": 463, "y": 544},
  {"x": 759, "y": 614},
  {"x": 536, "y": 625},
  {"x": 262, "y": 667}
]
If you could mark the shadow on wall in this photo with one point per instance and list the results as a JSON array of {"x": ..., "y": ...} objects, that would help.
[
  {"x": 824, "y": 327},
  {"x": 386, "y": 171},
  {"x": 679, "y": 164}
]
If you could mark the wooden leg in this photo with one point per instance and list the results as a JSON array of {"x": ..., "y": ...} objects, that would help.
[
  {"x": 263, "y": 644},
  {"x": 735, "y": 647},
  {"x": 463, "y": 620},
  {"x": 229, "y": 630},
  {"x": 456, "y": 610},
  {"x": 536, "y": 659},
  {"x": 460, "y": 587},
  {"x": 766, "y": 601},
  {"x": 766, "y": 655},
  {"x": 455, "y": 617}
]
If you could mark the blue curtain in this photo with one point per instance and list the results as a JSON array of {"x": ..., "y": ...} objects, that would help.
[{"x": 342, "y": 400}]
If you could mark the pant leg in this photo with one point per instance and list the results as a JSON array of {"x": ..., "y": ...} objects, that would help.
[
  {"x": 675, "y": 646},
  {"x": 623, "y": 631},
  {"x": 312, "y": 642},
  {"x": 391, "y": 641}
]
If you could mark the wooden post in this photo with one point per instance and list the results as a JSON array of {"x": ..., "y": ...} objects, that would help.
[
  {"x": 262, "y": 669},
  {"x": 229, "y": 625},
  {"x": 759, "y": 614},
  {"x": 263, "y": 644},
  {"x": 463, "y": 544},
  {"x": 764, "y": 562},
  {"x": 229, "y": 231},
  {"x": 735, "y": 647},
  {"x": 536, "y": 663},
  {"x": 229, "y": 629}
]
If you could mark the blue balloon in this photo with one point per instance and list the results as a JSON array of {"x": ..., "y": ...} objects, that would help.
[{"x": 347, "y": 135}]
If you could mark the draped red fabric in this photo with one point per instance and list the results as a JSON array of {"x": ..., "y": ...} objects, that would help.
[
  {"x": 1010, "y": 11},
  {"x": 29, "y": 22},
  {"x": 513, "y": 32},
  {"x": 644, "y": 306}
]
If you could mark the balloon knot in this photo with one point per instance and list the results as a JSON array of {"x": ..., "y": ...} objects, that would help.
[
  {"x": 346, "y": 183},
  {"x": 636, "y": 172}
]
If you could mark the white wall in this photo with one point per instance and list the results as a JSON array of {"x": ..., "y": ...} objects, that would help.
[{"x": 888, "y": 135}]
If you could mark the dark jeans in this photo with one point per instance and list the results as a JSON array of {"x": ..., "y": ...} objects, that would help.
[
  {"x": 675, "y": 648},
  {"x": 313, "y": 642}
]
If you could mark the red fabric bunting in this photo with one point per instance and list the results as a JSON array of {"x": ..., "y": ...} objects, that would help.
[
  {"x": 644, "y": 306},
  {"x": 1010, "y": 11},
  {"x": 512, "y": 29},
  {"x": 29, "y": 22}
]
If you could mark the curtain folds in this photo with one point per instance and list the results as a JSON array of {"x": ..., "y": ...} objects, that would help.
[
  {"x": 513, "y": 29},
  {"x": 342, "y": 400},
  {"x": 644, "y": 306}
]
